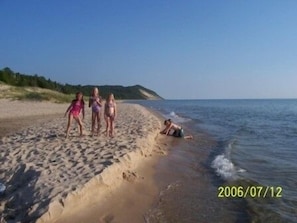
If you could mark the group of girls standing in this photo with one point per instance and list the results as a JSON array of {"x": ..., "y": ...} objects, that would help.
[{"x": 77, "y": 106}]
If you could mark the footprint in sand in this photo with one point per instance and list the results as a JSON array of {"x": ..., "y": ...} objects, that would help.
[
  {"x": 108, "y": 219},
  {"x": 129, "y": 176}
]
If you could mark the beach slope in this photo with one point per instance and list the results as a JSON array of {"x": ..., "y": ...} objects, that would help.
[{"x": 45, "y": 174}]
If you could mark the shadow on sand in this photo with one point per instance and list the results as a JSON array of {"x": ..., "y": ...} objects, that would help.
[{"x": 21, "y": 201}]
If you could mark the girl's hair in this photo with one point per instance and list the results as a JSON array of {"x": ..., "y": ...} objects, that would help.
[
  {"x": 82, "y": 97},
  {"x": 166, "y": 121},
  {"x": 93, "y": 91},
  {"x": 109, "y": 95}
]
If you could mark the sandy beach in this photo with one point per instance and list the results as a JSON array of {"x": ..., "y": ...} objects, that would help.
[{"x": 52, "y": 179}]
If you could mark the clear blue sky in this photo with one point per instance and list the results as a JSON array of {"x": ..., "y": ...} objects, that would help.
[{"x": 196, "y": 49}]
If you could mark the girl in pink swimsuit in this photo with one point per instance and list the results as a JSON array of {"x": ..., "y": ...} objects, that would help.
[
  {"x": 110, "y": 111},
  {"x": 95, "y": 103},
  {"x": 74, "y": 109}
]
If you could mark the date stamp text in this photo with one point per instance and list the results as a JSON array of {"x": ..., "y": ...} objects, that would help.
[{"x": 249, "y": 192}]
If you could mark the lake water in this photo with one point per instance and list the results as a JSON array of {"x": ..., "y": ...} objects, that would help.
[{"x": 251, "y": 158}]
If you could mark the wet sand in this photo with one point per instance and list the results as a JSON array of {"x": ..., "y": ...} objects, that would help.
[{"x": 188, "y": 187}]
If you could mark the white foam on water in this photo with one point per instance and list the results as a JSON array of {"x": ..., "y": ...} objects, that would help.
[
  {"x": 2, "y": 188},
  {"x": 224, "y": 167},
  {"x": 241, "y": 170},
  {"x": 176, "y": 118},
  {"x": 172, "y": 114}
]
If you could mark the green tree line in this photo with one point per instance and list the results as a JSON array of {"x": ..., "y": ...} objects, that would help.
[{"x": 22, "y": 80}]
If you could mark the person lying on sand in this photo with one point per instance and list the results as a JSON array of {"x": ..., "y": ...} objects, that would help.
[
  {"x": 177, "y": 130},
  {"x": 74, "y": 109}
]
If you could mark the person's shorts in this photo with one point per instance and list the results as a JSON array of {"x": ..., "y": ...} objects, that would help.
[{"x": 179, "y": 133}]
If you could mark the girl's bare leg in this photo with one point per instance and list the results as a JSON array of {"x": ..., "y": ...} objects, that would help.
[
  {"x": 93, "y": 122},
  {"x": 80, "y": 126},
  {"x": 111, "y": 127},
  {"x": 188, "y": 137},
  {"x": 107, "y": 125},
  {"x": 98, "y": 123},
  {"x": 70, "y": 117}
]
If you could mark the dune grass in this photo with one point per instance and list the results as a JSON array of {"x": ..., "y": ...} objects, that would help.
[{"x": 33, "y": 94}]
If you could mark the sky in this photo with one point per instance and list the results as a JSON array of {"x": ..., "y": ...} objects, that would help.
[{"x": 182, "y": 49}]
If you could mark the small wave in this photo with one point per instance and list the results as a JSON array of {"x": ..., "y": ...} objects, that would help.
[
  {"x": 224, "y": 167},
  {"x": 2, "y": 188},
  {"x": 176, "y": 118},
  {"x": 173, "y": 114}
]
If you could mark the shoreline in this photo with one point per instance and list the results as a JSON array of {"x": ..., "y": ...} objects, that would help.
[
  {"x": 129, "y": 201},
  {"x": 138, "y": 176},
  {"x": 44, "y": 167}
]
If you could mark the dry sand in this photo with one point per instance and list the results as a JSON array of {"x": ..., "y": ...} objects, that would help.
[
  {"x": 53, "y": 177},
  {"x": 16, "y": 115},
  {"x": 20, "y": 109}
]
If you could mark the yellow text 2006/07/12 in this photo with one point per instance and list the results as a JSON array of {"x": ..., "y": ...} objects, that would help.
[{"x": 249, "y": 191}]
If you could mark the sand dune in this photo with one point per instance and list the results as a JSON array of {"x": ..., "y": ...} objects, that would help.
[{"x": 44, "y": 172}]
